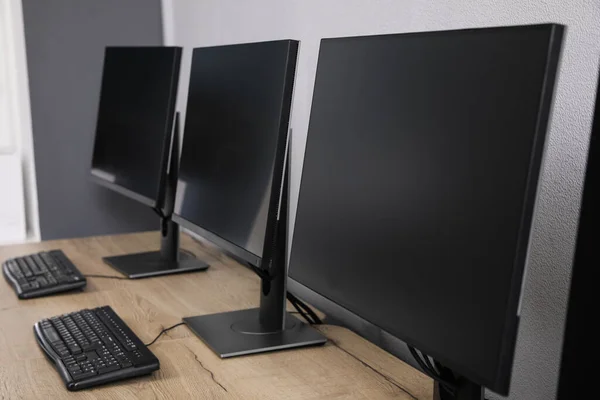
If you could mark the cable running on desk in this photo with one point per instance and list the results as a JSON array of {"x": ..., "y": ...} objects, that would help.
[{"x": 163, "y": 332}]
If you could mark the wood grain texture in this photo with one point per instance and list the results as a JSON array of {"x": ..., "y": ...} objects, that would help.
[{"x": 347, "y": 367}]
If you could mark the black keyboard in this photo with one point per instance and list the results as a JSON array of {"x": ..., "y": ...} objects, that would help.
[
  {"x": 93, "y": 347},
  {"x": 42, "y": 274}
]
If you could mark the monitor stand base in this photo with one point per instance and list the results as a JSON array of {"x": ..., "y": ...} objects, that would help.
[
  {"x": 170, "y": 259},
  {"x": 239, "y": 333},
  {"x": 146, "y": 265}
]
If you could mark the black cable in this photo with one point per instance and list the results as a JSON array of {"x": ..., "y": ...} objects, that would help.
[
  {"x": 447, "y": 375},
  {"x": 448, "y": 385},
  {"x": 158, "y": 211},
  {"x": 300, "y": 310},
  {"x": 429, "y": 364},
  {"x": 105, "y": 276},
  {"x": 438, "y": 374},
  {"x": 309, "y": 311},
  {"x": 297, "y": 303},
  {"x": 263, "y": 274},
  {"x": 302, "y": 313},
  {"x": 163, "y": 331},
  {"x": 420, "y": 361}
]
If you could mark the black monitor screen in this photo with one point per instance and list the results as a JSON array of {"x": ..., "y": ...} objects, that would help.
[
  {"x": 418, "y": 186},
  {"x": 237, "y": 115},
  {"x": 135, "y": 117}
]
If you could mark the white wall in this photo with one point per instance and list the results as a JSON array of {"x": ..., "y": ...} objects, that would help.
[
  {"x": 192, "y": 23},
  {"x": 20, "y": 140}
]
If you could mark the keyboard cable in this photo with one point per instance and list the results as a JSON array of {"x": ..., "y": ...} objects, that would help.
[{"x": 164, "y": 331}]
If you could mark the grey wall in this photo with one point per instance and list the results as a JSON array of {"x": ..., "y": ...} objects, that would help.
[
  {"x": 214, "y": 22},
  {"x": 65, "y": 42}
]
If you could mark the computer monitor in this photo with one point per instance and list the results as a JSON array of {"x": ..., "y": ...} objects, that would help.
[
  {"x": 418, "y": 187},
  {"x": 575, "y": 373},
  {"x": 133, "y": 143},
  {"x": 232, "y": 187}
]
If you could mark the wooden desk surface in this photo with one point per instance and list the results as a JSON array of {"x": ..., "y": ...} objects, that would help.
[{"x": 347, "y": 367}]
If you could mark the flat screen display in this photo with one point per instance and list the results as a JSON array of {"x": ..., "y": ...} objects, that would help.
[
  {"x": 418, "y": 186},
  {"x": 135, "y": 118},
  {"x": 235, "y": 132}
]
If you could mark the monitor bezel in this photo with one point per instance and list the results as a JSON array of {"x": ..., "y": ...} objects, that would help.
[
  {"x": 501, "y": 382},
  {"x": 97, "y": 178},
  {"x": 277, "y": 169},
  {"x": 121, "y": 190}
]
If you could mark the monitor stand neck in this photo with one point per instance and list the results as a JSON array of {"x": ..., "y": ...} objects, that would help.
[
  {"x": 272, "y": 312},
  {"x": 269, "y": 327},
  {"x": 169, "y": 239},
  {"x": 169, "y": 229}
]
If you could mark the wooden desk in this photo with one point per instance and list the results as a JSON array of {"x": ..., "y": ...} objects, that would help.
[{"x": 347, "y": 367}]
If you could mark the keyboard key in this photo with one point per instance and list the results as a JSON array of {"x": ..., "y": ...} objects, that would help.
[
  {"x": 109, "y": 368},
  {"x": 14, "y": 269},
  {"x": 62, "y": 259},
  {"x": 86, "y": 374},
  {"x": 64, "y": 353},
  {"x": 75, "y": 349},
  {"x": 26, "y": 287},
  {"x": 32, "y": 265},
  {"x": 75, "y": 369},
  {"x": 24, "y": 267},
  {"x": 52, "y": 335},
  {"x": 94, "y": 344},
  {"x": 49, "y": 260},
  {"x": 40, "y": 263}
]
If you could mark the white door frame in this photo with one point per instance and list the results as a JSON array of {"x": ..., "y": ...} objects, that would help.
[{"x": 15, "y": 59}]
